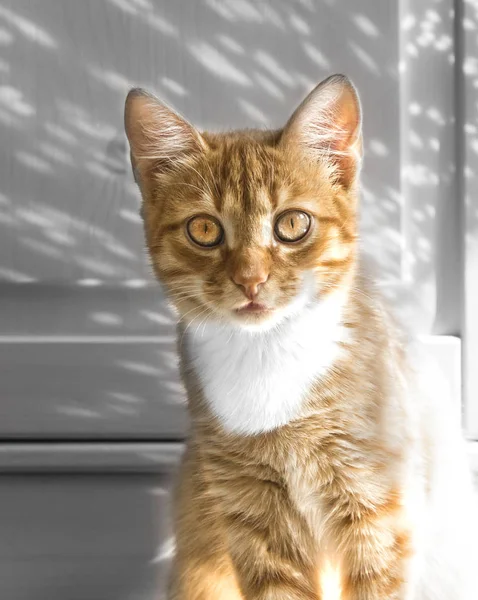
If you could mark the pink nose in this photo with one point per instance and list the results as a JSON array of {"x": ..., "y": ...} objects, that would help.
[{"x": 250, "y": 282}]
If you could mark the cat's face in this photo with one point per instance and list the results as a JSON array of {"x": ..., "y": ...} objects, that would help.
[{"x": 249, "y": 228}]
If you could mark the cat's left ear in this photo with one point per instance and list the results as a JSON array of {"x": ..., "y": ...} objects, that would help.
[
  {"x": 328, "y": 126},
  {"x": 160, "y": 139}
]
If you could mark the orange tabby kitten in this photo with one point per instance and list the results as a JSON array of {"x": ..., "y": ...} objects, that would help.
[{"x": 314, "y": 459}]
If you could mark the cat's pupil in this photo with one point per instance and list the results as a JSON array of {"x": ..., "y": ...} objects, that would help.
[
  {"x": 292, "y": 223},
  {"x": 205, "y": 227}
]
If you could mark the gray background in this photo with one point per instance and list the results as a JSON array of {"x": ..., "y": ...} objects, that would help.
[{"x": 88, "y": 367}]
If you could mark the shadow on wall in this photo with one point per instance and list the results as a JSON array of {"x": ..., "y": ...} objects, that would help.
[{"x": 68, "y": 206}]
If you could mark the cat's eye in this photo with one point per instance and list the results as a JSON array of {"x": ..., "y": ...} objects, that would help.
[
  {"x": 292, "y": 226},
  {"x": 205, "y": 231}
]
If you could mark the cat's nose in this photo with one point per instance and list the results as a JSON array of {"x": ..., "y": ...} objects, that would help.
[{"x": 251, "y": 282}]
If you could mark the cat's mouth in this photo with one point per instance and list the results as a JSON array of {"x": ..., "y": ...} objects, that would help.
[{"x": 253, "y": 308}]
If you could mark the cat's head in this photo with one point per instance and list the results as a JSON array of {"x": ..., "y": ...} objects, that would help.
[{"x": 250, "y": 227}]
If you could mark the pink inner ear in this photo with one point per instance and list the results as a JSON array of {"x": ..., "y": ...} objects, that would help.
[
  {"x": 159, "y": 138},
  {"x": 327, "y": 125}
]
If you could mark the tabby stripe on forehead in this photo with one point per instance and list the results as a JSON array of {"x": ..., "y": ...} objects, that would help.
[{"x": 246, "y": 183}]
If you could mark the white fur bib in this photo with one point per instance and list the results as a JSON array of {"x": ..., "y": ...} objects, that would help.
[{"x": 255, "y": 381}]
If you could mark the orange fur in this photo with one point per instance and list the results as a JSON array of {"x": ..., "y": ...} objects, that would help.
[{"x": 258, "y": 515}]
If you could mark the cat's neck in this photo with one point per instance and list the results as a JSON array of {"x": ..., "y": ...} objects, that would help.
[{"x": 254, "y": 382}]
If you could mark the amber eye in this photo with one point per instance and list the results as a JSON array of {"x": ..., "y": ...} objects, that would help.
[
  {"x": 205, "y": 231},
  {"x": 292, "y": 226}
]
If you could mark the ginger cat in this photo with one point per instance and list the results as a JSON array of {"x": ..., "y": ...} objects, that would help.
[{"x": 317, "y": 465}]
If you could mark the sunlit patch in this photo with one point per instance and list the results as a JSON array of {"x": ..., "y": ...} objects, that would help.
[
  {"x": 57, "y": 154},
  {"x": 160, "y": 24},
  {"x": 96, "y": 266},
  {"x": 219, "y": 64},
  {"x": 408, "y": 22},
  {"x": 173, "y": 86},
  {"x": 89, "y": 282},
  {"x": 142, "y": 368},
  {"x": 136, "y": 283},
  {"x": 61, "y": 133},
  {"x": 106, "y": 318},
  {"x": 34, "y": 162},
  {"x": 32, "y": 31},
  {"x": 121, "y": 410},
  {"x": 124, "y": 397},
  {"x": 378, "y": 148},
  {"x": 81, "y": 120},
  {"x": 119, "y": 249},
  {"x": 130, "y": 215},
  {"x": 159, "y": 318},
  {"x": 266, "y": 235},
  {"x": 269, "y": 63},
  {"x": 271, "y": 15},
  {"x": 365, "y": 58},
  {"x": 42, "y": 248},
  {"x": 78, "y": 411},
  {"x": 165, "y": 552},
  {"x": 246, "y": 10},
  {"x": 59, "y": 237},
  {"x": 124, "y": 5},
  {"x": 330, "y": 582},
  {"x": 231, "y": 44},
  {"x": 269, "y": 86},
  {"x": 299, "y": 24},
  {"x": 366, "y": 25},
  {"x": 435, "y": 115},
  {"x": 315, "y": 55},
  {"x": 219, "y": 7},
  {"x": 16, "y": 276},
  {"x": 159, "y": 492},
  {"x": 253, "y": 112},
  {"x": 113, "y": 80}
]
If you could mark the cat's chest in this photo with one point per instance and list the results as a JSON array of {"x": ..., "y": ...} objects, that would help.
[{"x": 256, "y": 382}]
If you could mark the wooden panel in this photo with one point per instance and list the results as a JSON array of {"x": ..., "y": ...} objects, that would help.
[
  {"x": 35, "y": 311},
  {"x": 89, "y": 457},
  {"x": 91, "y": 390},
  {"x": 68, "y": 204},
  {"x": 79, "y": 537},
  {"x": 86, "y": 389},
  {"x": 69, "y": 228}
]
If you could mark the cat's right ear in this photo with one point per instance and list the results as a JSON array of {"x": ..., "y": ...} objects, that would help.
[{"x": 159, "y": 139}]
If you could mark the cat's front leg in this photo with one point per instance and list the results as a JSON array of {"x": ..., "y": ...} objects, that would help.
[
  {"x": 271, "y": 548},
  {"x": 376, "y": 551}
]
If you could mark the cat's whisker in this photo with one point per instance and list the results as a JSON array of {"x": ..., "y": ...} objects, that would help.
[
  {"x": 203, "y": 321},
  {"x": 191, "y": 185},
  {"x": 213, "y": 180},
  {"x": 206, "y": 183},
  {"x": 205, "y": 310}
]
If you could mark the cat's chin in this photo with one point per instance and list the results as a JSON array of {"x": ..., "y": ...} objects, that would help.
[{"x": 259, "y": 320}]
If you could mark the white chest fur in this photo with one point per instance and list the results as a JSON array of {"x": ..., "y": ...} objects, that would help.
[{"x": 256, "y": 381}]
